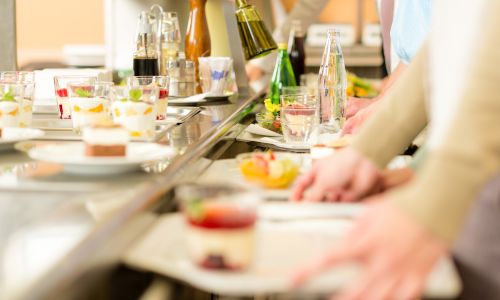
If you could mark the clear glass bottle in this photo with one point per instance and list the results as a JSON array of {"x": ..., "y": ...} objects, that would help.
[
  {"x": 332, "y": 85},
  {"x": 296, "y": 49},
  {"x": 282, "y": 76},
  {"x": 170, "y": 39},
  {"x": 146, "y": 54},
  {"x": 256, "y": 39}
]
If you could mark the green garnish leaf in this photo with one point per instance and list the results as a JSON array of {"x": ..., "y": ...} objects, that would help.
[
  {"x": 135, "y": 95},
  {"x": 123, "y": 100},
  {"x": 83, "y": 93},
  {"x": 194, "y": 210},
  {"x": 8, "y": 96}
]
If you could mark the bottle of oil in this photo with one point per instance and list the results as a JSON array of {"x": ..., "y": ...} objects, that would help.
[
  {"x": 255, "y": 38},
  {"x": 296, "y": 49},
  {"x": 170, "y": 39},
  {"x": 197, "y": 42},
  {"x": 146, "y": 55},
  {"x": 282, "y": 75}
]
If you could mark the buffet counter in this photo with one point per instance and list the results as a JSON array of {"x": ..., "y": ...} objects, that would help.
[{"x": 61, "y": 235}]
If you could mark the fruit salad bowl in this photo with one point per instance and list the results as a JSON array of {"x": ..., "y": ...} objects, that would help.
[{"x": 268, "y": 169}]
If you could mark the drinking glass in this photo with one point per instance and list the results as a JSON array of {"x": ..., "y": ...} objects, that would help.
[
  {"x": 135, "y": 109},
  {"x": 61, "y": 92},
  {"x": 13, "y": 97},
  {"x": 213, "y": 74},
  {"x": 220, "y": 225},
  {"x": 162, "y": 82},
  {"x": 89, "y": 104},
  {"x": 299, "y": 119}
]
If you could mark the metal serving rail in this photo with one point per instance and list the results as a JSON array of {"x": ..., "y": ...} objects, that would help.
[{"x": 120, "y": 217}]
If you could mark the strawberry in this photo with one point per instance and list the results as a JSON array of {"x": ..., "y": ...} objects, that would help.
[
  {"x": 62, "y": 92},
  {"x": 163, "y": 93}
]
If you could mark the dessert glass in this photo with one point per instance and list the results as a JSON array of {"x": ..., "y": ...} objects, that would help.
[
  {"x": 89, "y": 104},
  {"x": 162, "y": 82},
  {"x": 220, "y": 223},
  {"x": 62, "y": 93},
  {"x": 27, "y": 78},
  {"x": 13, "y": 97},
  {"x": 134, "y": 108},
  {"x": 299, "y": 119}
]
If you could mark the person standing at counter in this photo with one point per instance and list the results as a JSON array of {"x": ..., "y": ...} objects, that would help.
[
  {"x": 409, "y": 29},
  {"x": 399, "y": 239}
]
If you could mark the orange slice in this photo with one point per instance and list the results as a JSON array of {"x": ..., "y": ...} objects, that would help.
[
  {"x": 148, "y": 110},
  {"x": 99, "y": 108},
  {"x": 14, "y": 112},
  {"x": 117, "y": 112},
  {"x": 76, "y": 108},
  {"x": 135, "y": 134}
]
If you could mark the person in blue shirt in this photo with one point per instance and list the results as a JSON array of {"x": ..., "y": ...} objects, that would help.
[{"x": 410, "y": 27}]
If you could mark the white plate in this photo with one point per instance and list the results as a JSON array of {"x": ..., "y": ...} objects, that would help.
[
  {"x": 10, "y": 136},
  {"x": 73, "y": 159},
  {"x": 282, "y": 248}
]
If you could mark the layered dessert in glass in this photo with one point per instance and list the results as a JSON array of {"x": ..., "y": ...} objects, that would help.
[
  {"x": 220, "y": 223},
  {"x": 25, "y": 95},
  {"x": 134, "y": 108},
  {"x": 162, "y": 82},
  {"x": 62, "y": 92},
  {"x": 89, "y": 104},
  {"x": 105, "y": 139},
  {"x": 11, "y": 104}
]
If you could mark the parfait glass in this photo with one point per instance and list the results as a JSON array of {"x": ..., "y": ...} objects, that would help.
[
  {"x": 12, "y": 98},
  {"x": 135, "y": 109},
  {"x": 62, "y": 94},
  {"x": 220, "y": 223},
  {"x": 89, "y": 104},
  {"x": 162, "y": 82},
  {"x": 27, "y": 78},
  {"x": 300, "y": 119}
]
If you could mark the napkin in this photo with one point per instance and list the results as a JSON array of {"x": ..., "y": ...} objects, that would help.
[{"x": 259, "y": 130}]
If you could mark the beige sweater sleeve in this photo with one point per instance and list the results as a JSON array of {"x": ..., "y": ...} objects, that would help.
[
  {"x": 453, "y": 174},
  {"x": 400, "y": 117}
]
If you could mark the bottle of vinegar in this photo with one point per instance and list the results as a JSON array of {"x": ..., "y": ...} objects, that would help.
[
  {"x": 332, "y": 84},
  {"x": 296, "y": 49},
  {"x": 146, "y": 54}
]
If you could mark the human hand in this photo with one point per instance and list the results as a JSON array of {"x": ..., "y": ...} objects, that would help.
[
  {"x": 396, "y": 255},
  {"x": 353, "y": 124},
  {"x": 344, "y": 176},
  {"x": 355, "y": 104},
  {"x": 396, "y": 177}
]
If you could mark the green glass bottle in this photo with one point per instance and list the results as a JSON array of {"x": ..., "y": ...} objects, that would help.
[
  {"x": 282, "y": 76},
  {"x": 255, "y": 38}
]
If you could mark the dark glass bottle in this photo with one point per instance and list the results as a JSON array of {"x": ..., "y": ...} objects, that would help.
[
  {"x": 296, "y": 49},
  {"x": 256, "y": 40},
  {"x": 282, "y": 75}
]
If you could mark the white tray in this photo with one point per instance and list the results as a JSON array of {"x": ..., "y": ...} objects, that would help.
[{"x": 282, "y": 247}]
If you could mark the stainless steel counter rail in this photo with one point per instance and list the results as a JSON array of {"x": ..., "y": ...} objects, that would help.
[{"x": 92, "y": 259}]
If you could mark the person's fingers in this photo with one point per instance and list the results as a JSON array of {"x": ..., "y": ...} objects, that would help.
[
  {"x": 365, "y": 179},
  {"x": 346, "y": 250},
  {"x": 409, "y": 287},
  {"x": 316, "y": 193},
  {"x": 302, "y": 184},
  {"x": 348, "y": 126}
]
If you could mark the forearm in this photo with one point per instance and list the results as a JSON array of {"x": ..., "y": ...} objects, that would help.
[
  {"x": 468, "y": 153},
  {"x": 401, "y": 115}
]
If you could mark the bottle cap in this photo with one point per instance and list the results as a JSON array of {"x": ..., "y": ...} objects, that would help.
[{"x": 282, "y": 46}]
